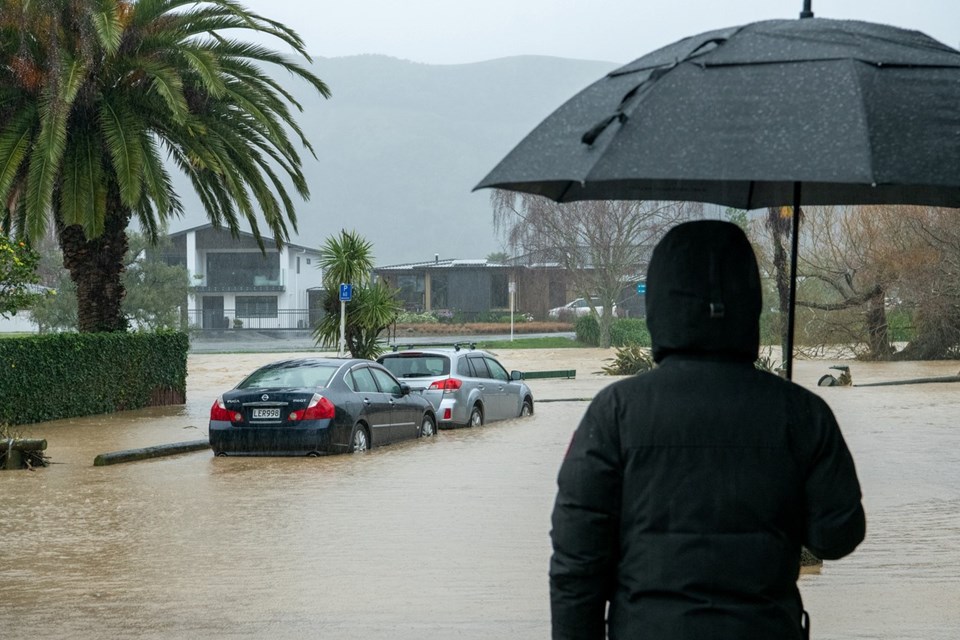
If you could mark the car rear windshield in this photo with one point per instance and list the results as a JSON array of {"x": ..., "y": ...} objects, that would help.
[
  {"x": 417, "y": 365},
  {"x": 290, "y": 376}
]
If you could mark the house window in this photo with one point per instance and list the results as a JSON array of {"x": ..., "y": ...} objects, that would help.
[
  {"x": 499, "y": 291},
  {"x": 411, "y": 291},
  {"x": 256, "y": 306},
  {"x": 243, "y": 269},
  {"x": 438, "y": 292},
  {"x": 298, "y": 264}
]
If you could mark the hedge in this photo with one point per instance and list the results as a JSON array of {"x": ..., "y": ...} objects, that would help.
[
  {"x": 623, "y": 331},
  {"x": 64, "y": 375}
]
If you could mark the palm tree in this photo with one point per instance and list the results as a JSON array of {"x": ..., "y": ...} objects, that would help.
[
  {"x": 95, "y": 95},
  {"x": 373, "y": 307}
]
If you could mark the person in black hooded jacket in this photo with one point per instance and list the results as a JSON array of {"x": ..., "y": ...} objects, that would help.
[{"x": 687, "y": 491}]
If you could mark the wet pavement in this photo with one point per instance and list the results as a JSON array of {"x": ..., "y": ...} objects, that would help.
[{"x": 440, "y": 538}]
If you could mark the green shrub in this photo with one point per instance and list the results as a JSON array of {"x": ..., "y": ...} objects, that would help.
[
  {"x": 629, "y": 331},
  {"x": 408, "y": 317},
  {"x": 48, "y": 377},
  {"x": 588, "y": 330},
  {"x": 623, "y": 331},
  {"x": 495, "y": 317},
  {"x": 770, "y": 327},
  {"x": 630, "y": 360},
  {"x": 900, "y": 326}
]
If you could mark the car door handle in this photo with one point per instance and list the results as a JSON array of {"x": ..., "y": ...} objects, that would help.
[{"x": 366, "y": 401}]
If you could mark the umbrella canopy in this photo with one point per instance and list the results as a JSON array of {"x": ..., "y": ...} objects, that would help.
[
  {"x": 767, "y": 114},
  {"x": 860, "y": 113}
]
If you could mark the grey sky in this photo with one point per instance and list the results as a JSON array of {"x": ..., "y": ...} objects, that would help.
[{"x": 459, "y": 31}]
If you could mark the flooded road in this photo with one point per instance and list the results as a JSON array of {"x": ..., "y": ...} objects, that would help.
[{"x": 439, "y": 538}]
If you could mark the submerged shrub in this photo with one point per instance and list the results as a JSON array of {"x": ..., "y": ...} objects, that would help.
[
  {"x": 630, "y": 360},
  {"x": 765, "y": 362}
]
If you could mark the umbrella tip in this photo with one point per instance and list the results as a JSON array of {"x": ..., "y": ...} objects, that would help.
[{"x": 807, "y": 10}]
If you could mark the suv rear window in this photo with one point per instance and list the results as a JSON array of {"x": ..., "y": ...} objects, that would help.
[{"x": 417, "y": 365}]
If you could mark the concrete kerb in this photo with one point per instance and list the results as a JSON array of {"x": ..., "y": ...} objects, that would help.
[{"x": 146, "y": 453}]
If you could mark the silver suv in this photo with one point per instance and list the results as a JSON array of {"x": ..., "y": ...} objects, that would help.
[{"x": 466, "y": 386}]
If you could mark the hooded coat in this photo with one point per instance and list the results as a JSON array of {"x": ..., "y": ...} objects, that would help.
[{"x": 687, "y": 491}]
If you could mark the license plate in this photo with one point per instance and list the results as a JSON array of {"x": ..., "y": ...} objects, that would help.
[{"x": 266, "y": 414}]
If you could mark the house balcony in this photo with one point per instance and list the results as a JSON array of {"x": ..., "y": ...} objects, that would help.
[
  {"x": 249, "y": 284},
  {"x": 239, "y": 288}
]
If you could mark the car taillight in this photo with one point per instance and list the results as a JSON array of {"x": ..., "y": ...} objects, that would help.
[
  {"x": 319, "y": 409},
  {"x": 220, "y": 412},
  {"x": 447, "y": 384}
]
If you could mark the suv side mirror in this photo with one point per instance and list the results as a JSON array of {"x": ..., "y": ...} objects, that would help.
[
  {"x": 404, "y": 389},
  {"x": 516, "y": 375}
]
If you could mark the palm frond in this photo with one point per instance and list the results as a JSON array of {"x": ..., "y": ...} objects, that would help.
[
  {"x": 108, "y": 27},
  {"x": 123, "y": 136},
  {"x": 15, "y": 143},
  {"x": 81, "y": 179},
  {"x": 159, "y": 187},
  {"x": 45, "y": 160}
]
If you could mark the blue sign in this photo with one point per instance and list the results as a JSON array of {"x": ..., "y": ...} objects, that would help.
[
  {"x": 641, "y": 288},
  {"x": 346, "y": 292}
]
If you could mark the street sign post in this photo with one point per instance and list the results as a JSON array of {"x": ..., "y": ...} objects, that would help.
[
  {"x": 346, "y": 294},
  {"x": 512, "y": 289}
]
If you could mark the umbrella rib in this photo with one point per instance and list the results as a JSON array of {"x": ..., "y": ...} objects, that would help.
[
  {"x": 866, "y": 125},
  {"x": 641, "y": 88}
]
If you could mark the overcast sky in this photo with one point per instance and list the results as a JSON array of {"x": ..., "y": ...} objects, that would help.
[{"x": 459, "y": 31}]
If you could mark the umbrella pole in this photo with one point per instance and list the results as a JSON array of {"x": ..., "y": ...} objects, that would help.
[{"x": 794, "y": 248}]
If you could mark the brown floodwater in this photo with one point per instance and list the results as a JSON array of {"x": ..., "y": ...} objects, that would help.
[{"x": 439, "y": 538}]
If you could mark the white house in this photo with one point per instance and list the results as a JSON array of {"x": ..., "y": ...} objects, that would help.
[{"x": 234, "y": 285}]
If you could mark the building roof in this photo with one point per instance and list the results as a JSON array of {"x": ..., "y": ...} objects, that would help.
[
  {"x": 266, "y": 239},
  {"x": 438, "y": 263},
  {"x": 452, "y": 263}
]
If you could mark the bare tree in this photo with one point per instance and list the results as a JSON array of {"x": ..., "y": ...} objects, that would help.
[
  {"x": 928, "y": 260},
  {"x": 847, "y": 268},
  {"x": 779, "y": 223},
  {"x": 600, "y": 243}
]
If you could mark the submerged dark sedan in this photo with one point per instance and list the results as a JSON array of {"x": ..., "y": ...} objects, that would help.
[{"x": 310, "y": 406}]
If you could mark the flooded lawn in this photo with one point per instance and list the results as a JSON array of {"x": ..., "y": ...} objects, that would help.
[{"x": 439, "y": 538}]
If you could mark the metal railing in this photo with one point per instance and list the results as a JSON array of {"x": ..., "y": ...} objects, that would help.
[{"x": 227, "y": 319}]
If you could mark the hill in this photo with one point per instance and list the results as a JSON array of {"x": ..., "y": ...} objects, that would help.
[{"x": 401, "y": 144}]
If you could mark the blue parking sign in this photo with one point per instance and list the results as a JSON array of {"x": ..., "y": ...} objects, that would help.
[
  {"x": 641, "y": 288},
  {"x": 346, "y": 292}
]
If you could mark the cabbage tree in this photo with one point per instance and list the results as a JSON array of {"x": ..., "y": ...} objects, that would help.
[{"x": 348, "y": 258}]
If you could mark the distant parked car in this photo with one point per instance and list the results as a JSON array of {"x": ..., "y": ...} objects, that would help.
[
  {"x": 309, "y": 406},
  {"x": 465, "y": 386},
  {"x": 577, "y": 308}
]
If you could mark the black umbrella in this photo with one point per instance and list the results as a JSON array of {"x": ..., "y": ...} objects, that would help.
[{"x": 767, "y": 114}]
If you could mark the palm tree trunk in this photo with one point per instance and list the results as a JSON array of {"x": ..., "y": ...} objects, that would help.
[{"x": 95, "y": 267}]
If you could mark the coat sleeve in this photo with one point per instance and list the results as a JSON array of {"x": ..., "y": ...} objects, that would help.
[
  {"x": 835, "y": 522},
  {"x": 586, "y": 520}
]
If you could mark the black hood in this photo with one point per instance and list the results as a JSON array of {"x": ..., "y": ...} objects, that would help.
[{"x": 703, "y": 292}]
